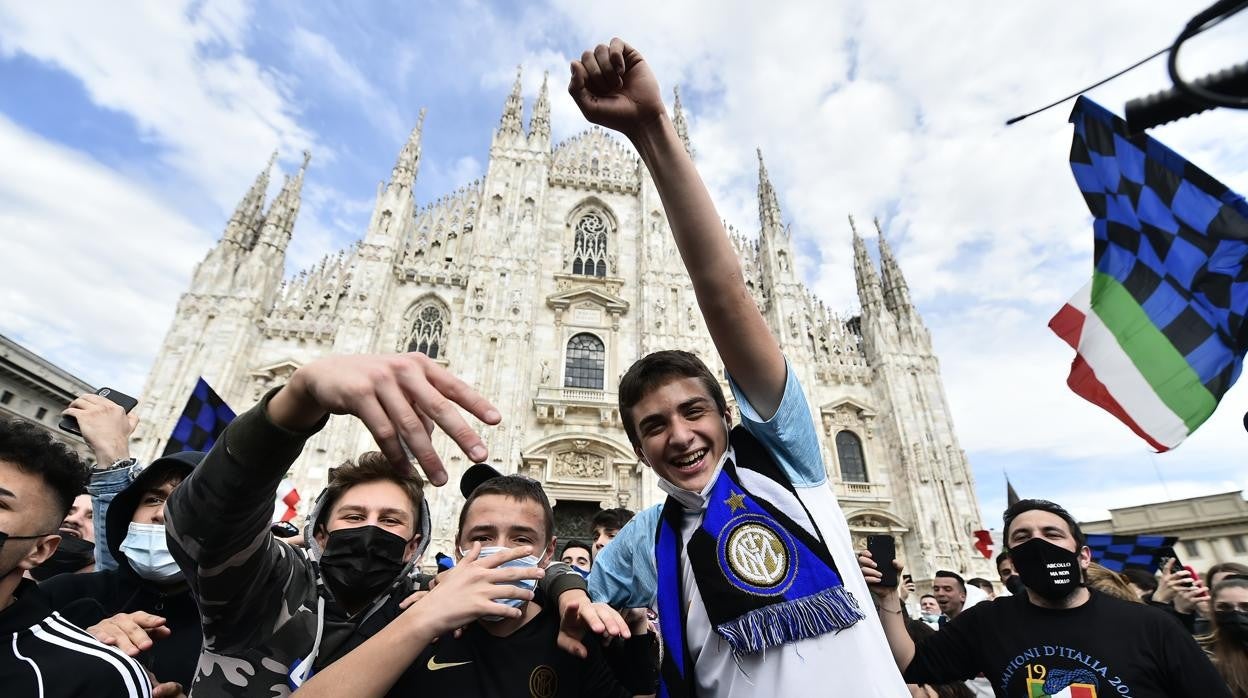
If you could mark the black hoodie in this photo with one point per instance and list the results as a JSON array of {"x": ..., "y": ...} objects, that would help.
[{"x": 86, "y": 599}]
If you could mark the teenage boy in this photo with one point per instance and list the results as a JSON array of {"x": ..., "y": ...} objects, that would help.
[
  {"x": 509, "y": 643},
  {"x": 41, "y": 653},
  {"x": 1058, "y": 638},
  {"x": 757, "y": 588}
]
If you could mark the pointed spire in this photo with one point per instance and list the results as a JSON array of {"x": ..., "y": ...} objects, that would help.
[
  {"x": 512, "y": 122},
  {"x": 408, "y": 164},
  {"x": 249, "y": 213},
  {"x": 768, "y": 204},
  {"x": 678, "y": 120},
  {"x": 869, "y": 294},
  {"x": 896, "y": 292},
  {"x": 539, "y": 123},
  {"x": 279, "y": 223}
]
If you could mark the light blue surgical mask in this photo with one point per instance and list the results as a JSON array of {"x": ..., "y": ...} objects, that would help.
[
  {"x": 931, "y": 617},
  {"x": 148, "y": 553},
  {"x": 527, "y": 561}
]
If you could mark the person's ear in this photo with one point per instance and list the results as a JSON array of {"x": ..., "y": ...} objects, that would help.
[
  {"x": 320, "y": 535},
  {"x": 411, "y": 547},
  {"x": 39, "y": 552},
  {"x": 550, "y": 552},
  {"x": 1085, "y": 557},
  {"x": 642, "y": 457}
]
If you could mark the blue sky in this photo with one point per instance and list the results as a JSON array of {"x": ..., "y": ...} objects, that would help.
[{"x": 130, "y": 132}]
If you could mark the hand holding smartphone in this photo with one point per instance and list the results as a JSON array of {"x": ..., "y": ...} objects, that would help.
[
  {"x": 883, "y": 551},
  {"x": 127, "y": 403}
]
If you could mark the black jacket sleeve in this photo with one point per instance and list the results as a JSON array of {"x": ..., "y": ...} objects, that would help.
[
  {"x": 949, "y": 655},
  {"x": 217, "y": 523}
]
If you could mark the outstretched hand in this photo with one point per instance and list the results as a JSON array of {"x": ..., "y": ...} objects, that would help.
[
  {"x": 614, "y": 87},
  {"x": 578, "y": 616},
  {"x": 104, "y": 425},
  {"x": 132, "y": 633},
  {"x": 399, "y": 397}
]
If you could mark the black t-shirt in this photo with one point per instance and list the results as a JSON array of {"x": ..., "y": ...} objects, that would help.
[
  {"x": 1106, "y": 647},
  {"x": 525, "y": 664}
]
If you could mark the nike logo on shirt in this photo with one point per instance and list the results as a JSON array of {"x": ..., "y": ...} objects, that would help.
[{"x": 434, "y": 664}]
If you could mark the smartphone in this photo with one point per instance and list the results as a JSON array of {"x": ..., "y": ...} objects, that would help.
[
  {"x": 907, "y": 579},
  {"x": 883, "y": 551},
  {"x": 127, "y": 403},
  {"x": 1178, "y": 564}
]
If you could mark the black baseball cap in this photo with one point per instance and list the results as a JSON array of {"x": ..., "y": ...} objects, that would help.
[{"x": 475, "y": 476}]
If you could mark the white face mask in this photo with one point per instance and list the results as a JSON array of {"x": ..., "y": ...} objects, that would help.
[
  {"x": 148, "y": 553},
  {"x": 527, "y": 561}
]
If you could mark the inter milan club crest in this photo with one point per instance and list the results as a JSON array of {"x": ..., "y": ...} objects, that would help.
[{"x": 755, "y": 555}]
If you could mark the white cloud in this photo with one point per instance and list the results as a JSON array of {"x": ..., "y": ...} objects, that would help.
[
  {"x": 324, "y": 66},
  {"x": 179, "y": 73},
  {"x": 93, "y": 263}
]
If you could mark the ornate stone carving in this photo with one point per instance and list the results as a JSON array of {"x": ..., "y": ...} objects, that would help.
[{"x": 579, "y": 464}]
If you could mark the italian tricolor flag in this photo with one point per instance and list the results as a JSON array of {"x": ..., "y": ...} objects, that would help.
[
  {"x": 1128, "y": 367},
  {"x": 1035, "y": 689}
]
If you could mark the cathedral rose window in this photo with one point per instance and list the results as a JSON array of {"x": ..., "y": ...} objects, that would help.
[
  {"x": 586, "y": 362},
  {"x": 428, "y": 335},
  {"x": 589, "y": 249}
]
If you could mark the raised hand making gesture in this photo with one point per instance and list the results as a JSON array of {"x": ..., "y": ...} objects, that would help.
[
  {"x": 399, "y": 397},
  {"x": 613, "y": 87}
]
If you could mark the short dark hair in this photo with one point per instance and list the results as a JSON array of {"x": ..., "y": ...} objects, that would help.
[
  {"x": 1002, "y": 556},
  {"x": 952, "y": 575},
  {"x": 1145, "y": 580},
  {"x": 926, "y": 596},
  {"x": 1233, "y": 567},
  {"x": 33, "y": 450},
  {"x": 611, "y": 518},
  {"x": 659, "y": 368},
  {"x": 1025, "y": 505},
  {"x": 575, "y": 544},
  {"x": 372, "y": 466},
  {"x": 980, "y": 582},
  {"x": 517, "y": 487}
]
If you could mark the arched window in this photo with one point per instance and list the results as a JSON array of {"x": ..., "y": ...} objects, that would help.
[
  {"x": 428, "y": 334},
  {"x": 584, "y": 367},
  {"x": 849, "y": 452},
  {"x": 589, "y": 247}
]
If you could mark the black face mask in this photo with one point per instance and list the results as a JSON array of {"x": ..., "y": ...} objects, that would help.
[
  {"x": 1014, "y": 585},
  {"x": 71, "y": 555},
  {"x": 1047, "y": 569},
  {"x": 358, "y": 563},
  {"x": 1232, "y": 624}
]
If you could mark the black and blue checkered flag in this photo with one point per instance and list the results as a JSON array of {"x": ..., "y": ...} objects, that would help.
[
  {"x": 1120, "y": 552},
  {"x": 1159, "y": 330},
  {"x": 203, "y": 419}
]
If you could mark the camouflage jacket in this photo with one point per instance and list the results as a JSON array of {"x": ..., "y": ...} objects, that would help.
[{"x": 258, "y": 597}]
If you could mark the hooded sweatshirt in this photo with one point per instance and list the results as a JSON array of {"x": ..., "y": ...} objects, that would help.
[
  {"x": 87, "y": 599},
  {"x": 266, "y": 615}
]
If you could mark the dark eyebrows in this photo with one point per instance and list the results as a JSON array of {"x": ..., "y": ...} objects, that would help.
[
  {"x": 396, "y": 513},
  {"x": 692, "y": 402}
]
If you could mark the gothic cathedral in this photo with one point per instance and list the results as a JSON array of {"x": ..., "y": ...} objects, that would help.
[{"x": 540, "y": 284}]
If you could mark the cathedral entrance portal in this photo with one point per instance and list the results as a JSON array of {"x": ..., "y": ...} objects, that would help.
[{"x": 572, "y": 519}]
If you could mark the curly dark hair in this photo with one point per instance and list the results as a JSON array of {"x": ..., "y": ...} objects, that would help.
[{"x": 33, "y": 450}]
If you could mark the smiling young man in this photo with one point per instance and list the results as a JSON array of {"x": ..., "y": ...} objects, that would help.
[
  {"x": 750, "y": 557},
  {"x": 1059, "y": 638}
]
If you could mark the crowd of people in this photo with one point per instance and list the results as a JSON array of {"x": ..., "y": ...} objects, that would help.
[{"x": 131, "y": 579}]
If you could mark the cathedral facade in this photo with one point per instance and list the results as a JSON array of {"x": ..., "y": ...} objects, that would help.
[{"x": 540, "y": 284}]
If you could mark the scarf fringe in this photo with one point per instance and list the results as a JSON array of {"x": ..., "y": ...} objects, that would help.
[{"x": 830, "y": 610}]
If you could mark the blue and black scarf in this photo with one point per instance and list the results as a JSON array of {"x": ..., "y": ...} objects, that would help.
[{"x": 765, "y": 578}]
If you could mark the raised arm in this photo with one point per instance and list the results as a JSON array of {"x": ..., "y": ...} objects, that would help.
[{"x": 614, "y": 87}]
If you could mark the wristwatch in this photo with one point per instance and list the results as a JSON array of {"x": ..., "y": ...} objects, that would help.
[{"x": 119, "y": 463}]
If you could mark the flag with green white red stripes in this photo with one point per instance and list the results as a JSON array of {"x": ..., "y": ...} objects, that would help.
[{"x": 1159, "y": 329}]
